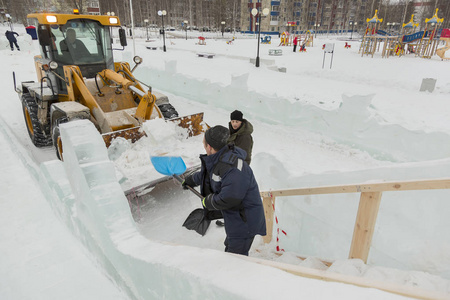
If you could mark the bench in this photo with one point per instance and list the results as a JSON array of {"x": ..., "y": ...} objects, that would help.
[
  {"x": 275, "y": 52},
  {"x": 151, "y": 47},
  {"x": 206, "y": 55}
]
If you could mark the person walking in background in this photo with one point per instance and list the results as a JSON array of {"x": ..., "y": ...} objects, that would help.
[
  {"x": 11, "y": 36},
  {"x": 229, "y": 186},
  {"x": 241, "y": 134},
  {"x": 295, "y": 43}
]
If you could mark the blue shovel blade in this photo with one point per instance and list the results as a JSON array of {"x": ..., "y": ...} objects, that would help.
[{"x": 168, "y": 165}]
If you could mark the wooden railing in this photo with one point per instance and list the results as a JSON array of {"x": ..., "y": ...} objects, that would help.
[{"x": 369, "y": 204}]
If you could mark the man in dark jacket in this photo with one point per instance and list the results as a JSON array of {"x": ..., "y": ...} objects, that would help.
[
  {"x": 73, "y": 46},
  {"x": 10, "y": 35},
  {"x": 229, "y": 186},
  {"x": 241, "y": 133}
]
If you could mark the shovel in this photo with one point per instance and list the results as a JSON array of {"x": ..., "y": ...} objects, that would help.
[{"x": 174, "y": 166}]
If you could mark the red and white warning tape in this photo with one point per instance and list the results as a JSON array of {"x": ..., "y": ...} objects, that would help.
[{"x": 278, "y": 226}]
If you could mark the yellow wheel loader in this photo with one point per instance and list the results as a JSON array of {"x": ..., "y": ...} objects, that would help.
[{"x": 78, "y": 79}]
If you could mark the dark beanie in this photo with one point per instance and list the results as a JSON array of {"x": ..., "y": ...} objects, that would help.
[
  {"x": 217, "y": 137},
  {"x": 236, "y": 115}
]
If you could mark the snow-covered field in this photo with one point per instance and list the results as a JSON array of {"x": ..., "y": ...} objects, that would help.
[{"x": 362, "y": 120}]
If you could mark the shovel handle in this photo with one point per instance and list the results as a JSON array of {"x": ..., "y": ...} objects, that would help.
[{"x": 189, "y": 187}]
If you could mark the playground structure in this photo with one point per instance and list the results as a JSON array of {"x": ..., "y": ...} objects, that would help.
[
  {"x": 445, "y": 36},
  {"x": 422, "y": 43},
  {"x": 429, "y": 42},
  {"x": 201, "y": 40},
  {"x": 408, "y": 31},
  {"x": 285, "y": 39},
  {"x": 266, "y": 40},
  {"x": 372, "y": 39},
  {"x": 307, "y": 39}
]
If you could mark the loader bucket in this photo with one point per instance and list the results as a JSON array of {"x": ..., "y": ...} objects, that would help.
[
  {"x": 132, "y": 134},
  {"x": 193, "y": 124}
]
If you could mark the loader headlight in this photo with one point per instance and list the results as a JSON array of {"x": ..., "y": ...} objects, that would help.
[
  {"x": 53, "y": 65},
  {"x": 51, "y": 19},
  {"x": 113, "y": 20},
  {"x": 137, "y": 60}
]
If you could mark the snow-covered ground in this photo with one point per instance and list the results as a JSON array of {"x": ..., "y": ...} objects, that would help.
[{"x": 362, "y": 120}]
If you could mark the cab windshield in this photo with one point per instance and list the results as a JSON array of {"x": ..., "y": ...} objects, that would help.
[{"x": 81, "y": 41}]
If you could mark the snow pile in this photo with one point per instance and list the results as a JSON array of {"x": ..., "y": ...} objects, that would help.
[{"x": 132, "y": 160}]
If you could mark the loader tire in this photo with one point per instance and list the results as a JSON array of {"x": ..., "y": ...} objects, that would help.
[
  {"x": 56, "y": 137},
  {"x": 168, "y": 111},
  {"x": 39, "y": 134}
]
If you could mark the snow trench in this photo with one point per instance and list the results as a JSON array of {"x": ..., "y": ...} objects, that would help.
[{"x": 84, "y": 192}]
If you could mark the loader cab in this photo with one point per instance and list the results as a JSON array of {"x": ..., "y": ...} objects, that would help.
[{"x": 82, "y": 42}]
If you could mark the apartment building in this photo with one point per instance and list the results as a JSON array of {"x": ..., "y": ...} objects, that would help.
[
  {"x": 303, "y": 15},
  {"x": 92, "y": 7}
]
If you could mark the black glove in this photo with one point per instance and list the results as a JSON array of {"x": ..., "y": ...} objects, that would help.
[
  {"x": 207, "y": 200},
  {"x": 188, "y": 181}
]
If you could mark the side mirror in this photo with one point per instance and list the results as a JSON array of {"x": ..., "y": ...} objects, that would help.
[
  {"x": 44, "y": 36},
  {"x": 123, "y": 37}
]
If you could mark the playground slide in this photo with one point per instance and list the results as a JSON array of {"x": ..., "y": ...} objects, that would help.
[{"x": 441, "y": 51}]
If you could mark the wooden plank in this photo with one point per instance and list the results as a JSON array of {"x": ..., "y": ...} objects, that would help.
[
  {"x": 369, "y": 203},
  {"x": 369, "y": 187},
  {"x": 408, "y": 291},
  {"x": 279, "y": 253},
  {"x": 269, "y": 212}
]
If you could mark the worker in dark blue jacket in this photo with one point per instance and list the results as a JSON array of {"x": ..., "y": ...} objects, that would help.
[
  {"x": 229, "y": 186},
  {"x": 10, "y": 35}
]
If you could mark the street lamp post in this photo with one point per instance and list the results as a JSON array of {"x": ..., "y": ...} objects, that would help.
[
  {"x": 353, "y": 24},
  {"x": 223, "y": 26},
  {"x": 185, "y": 27},
  {"x": 317, "y": 28},
  {"x": 255, "y": 13},
  {"x": 389, "y": 25},
  {"x": 146, "y": 27},
  {"x": 8, "y": 18},
  {"x": 162, "y": 13}
]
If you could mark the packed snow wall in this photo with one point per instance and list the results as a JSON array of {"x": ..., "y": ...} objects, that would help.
[{"x": 355, "y": 123}]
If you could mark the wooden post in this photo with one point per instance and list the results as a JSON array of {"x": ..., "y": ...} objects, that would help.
[
  {"x": 269, "y": 212},
  {"x": 369, "y": 204}
]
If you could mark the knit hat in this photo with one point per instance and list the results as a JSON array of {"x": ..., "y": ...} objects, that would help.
[
  {"x": 236, "y": 115},
  {"x": 217, "y": 137}
]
